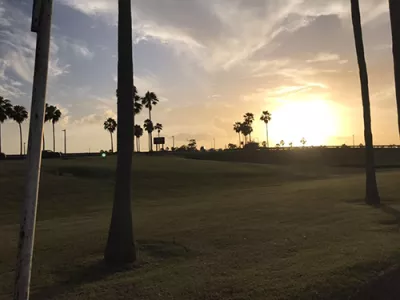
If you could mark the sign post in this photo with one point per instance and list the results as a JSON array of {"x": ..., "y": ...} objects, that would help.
[{"x": 41, "y": 24}]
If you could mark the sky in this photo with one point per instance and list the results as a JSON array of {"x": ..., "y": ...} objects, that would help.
[{"x": 209, "y": 62}]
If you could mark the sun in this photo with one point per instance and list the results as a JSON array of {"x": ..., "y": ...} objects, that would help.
[{"x": 316, "y": 120}]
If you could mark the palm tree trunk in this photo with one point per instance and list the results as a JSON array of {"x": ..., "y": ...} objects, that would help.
[
  {"x": 394, "y": 6},
  {"x": 120, "y": 248},
  {"x": 0, "y": 137},
  {"x": 240, "y": 141},
  {"x": 112, "y": 143},
  {"x": 139, "y": 143},
  {"x": 266, "y": 125},
  {"x": 372, "y": 194},
  {"x": 20, "y": 139},
  {"x": 54, "y": 139}
]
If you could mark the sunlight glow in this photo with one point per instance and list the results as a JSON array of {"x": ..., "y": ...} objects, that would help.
[{"x": 316, "y": 120}]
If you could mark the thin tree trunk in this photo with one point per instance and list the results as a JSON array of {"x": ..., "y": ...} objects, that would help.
[
  {"x": 139, "y": 143},
  {"x": 240, "y": 142},
  {"x": 54, "y": 139},
  {"x": 372, "y": 194},
  {"x": 394, "y": 6},
  {"x": 20, "y": 139},
  {"x": 112, "y": 143},
  {"x": 266, "y": 125},
  {"x": 0, "y": 137},
  {"x": 44, "y": 142},
  {"x": 120, "y": 248}
]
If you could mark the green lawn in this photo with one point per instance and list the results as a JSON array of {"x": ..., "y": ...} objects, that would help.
[{"x": 205, "y": 230}]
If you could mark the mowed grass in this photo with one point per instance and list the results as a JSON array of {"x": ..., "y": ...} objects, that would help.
[{"x": 205, "y": 230}]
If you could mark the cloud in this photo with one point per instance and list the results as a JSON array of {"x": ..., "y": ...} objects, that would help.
[
  {"x": 323, "y": 57},
  {"x": 17, "y": 47}
]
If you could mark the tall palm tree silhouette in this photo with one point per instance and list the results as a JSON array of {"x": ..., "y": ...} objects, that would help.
[
  {"x": 19, "y": 114},
  {"x": 53, "y": 115},
  {"x": 237, "y": 127},
  {"x": 110, "y": 125},
  {"x": 372, "y": 194},
  {"x": 266, "y": 118},
  {"x": 150, "y": 100},
  {"x": 149, "y": 127},
  {"x": 248, "y": 121},
  {"x": 158, "y": 127},
  {"x": 138, "y": 131},
  {"x": 5, "y": 113}
]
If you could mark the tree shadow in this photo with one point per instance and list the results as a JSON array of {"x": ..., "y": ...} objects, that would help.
[
  {"x": 99, "y": 270},
  {"x": 163, "y": 249}
]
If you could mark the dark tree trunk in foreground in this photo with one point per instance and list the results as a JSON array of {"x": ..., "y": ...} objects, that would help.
[
  {"x": 120, "y": 247},
  {"x": 54, "y": 139},
  {"x": 20, "y": 139},
  {"x": 372, "y": 194},
  {"x": 394, "y": 6},
  {"x": 112, "y": 143}
]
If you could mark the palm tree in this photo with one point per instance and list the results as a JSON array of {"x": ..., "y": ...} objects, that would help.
[
  {"x": 19, "y": 115},
  {"x": 120, "y": 248},
  {"x": 149, "y": 100},
  {"x": 158, "y": 127},
  {"x": 282, "y": 143},
  {"x": 266, "y": 117},
  {"x": 149, "y": 127},
  {"x": 238, "y": 129},
  {"x": 394, "y": 7},
  {"x": 291, "y": 144},
  {"x": 372, "y": 194},
  {"x": 248, "y": 120},
  {"x": 5, "y": 112},
  {"x": 53, "y": 114},
  {"x": 246, "y": 131},
  {"x": 138, "y": 131},
  {"x": 303, "y": 141},
  {"x": 110, "y": 125}
]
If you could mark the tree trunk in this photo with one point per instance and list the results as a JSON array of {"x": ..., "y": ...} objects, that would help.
[
  {"x": 54, "y": 139},
  {"x": 44, "y": 142},
  {"x": 240, "y": 141},
  {"x": 120, "y": 247},
  {"x": 139, "y": 143},
  {"x": 150, "y": 142},
  {"x": 266, "y": 125},
  {"x": 372, "y": 194},
  {"x": 394, "y": 6},
  {"x": 112, "y": 143},
  {"x": 0, "y": 137},
  {"x": 20, "y": 139}
]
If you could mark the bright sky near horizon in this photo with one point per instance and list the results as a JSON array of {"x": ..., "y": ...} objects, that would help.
[{"x": 209, "y": 61}]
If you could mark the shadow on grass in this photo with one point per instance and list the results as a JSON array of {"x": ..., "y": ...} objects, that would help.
[
  {"x": 93, "y": 272},
  {"x": 163, "y": 249},
  {"x": 99, "y": 270}
]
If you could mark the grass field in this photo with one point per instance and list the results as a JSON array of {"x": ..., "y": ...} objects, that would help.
[{"x": 205, "y": 230}]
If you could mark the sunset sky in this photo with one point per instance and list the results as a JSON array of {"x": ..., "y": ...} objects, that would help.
[{"x": 209, "y": 61}]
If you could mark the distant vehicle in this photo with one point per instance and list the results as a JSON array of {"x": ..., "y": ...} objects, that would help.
[{"x": 50, "y": 154}]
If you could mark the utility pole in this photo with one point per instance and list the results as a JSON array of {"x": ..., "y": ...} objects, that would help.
[
  {"x": 214, "y": 142},
  {"x": 173, "y": 142},
  {"x": 65, "y": 141},
  {"x": 41, "y": 24}
]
